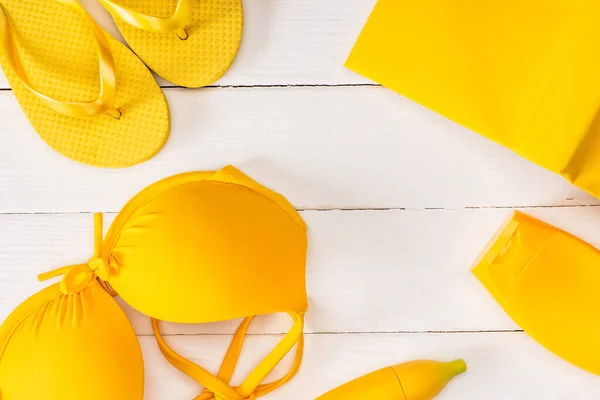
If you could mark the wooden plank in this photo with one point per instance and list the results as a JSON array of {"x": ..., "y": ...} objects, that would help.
[
  {"x": 285, "y": 42},
  {"x": 323, "y": 148},
  {"x": 501, "y": 365},
  {"x": 368, "y": 271}
]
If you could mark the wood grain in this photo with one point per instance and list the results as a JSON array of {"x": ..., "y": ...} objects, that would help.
[
  {"x": 501, "y": 365},
  {"x": 323, "y": 148},
  {"x": 368, "y": 271},
  {"x": 285, "y": 42},
  {"x": 388, "y": 278}
]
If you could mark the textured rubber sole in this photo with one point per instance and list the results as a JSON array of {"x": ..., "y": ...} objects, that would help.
[
  {"x": 214, "y": 38},
  {"x": 60, "y": 56}
]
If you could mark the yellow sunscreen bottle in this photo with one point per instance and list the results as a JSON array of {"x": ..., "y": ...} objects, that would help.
[{"x": 413, "y": 380}]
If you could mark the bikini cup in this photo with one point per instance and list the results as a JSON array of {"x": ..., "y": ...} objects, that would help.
[
  {"x": 204, "y": 247},
  {"x": 58, "y": 346}
]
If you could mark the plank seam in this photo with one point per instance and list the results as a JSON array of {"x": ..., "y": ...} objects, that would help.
[
  {"x": 350, "y": 333},
  {"x": 266, "y": 86},
  {"x": 344, "y": 209}
]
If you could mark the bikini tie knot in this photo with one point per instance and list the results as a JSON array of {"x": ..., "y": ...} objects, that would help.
[
  {"x": 99, "y": 267},
  {"x": 77, "y": 277}
]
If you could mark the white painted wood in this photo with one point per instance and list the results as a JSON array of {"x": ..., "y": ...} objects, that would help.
[
  {"x": 501, "y": 365},
  {"x": 286, "y": 42},
  {"x": 368, "y": 271},
  {"x": 320, "y": 147},
  {"x": 384, "y": 285}
]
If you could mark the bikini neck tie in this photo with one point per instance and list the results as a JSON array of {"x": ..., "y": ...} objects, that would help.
[{"x": 78, "y": 276}]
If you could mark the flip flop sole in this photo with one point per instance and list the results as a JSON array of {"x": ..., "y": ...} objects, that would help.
[
  {"x": 60, "y": 56},
  {"x": 215, "y": 34}
]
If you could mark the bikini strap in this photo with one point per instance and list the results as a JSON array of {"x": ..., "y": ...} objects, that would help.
[
  {"x": 76, "y": 278},
  {"x": 217, "y": 387}
]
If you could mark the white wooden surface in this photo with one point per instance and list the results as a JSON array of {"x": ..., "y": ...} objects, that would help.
[{"x": 399, "y": 202}]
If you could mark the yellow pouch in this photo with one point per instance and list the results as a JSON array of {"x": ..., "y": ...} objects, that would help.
[
  {"x": 88, "y": 96},
  {"x": 190, "y": 43},
  {"x": 58, "y": 346},
  {"x": 548, "y": 281},
  {"x": 522, "y": 73}
]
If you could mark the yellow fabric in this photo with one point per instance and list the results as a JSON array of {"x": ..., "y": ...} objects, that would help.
[
  {"x": 196, "y": 237},
  {"x": 522, "y": 73},
  {"x": 56, "y": 346},
  {"x": 77, "y": 277},
  {"x": 548, "y": 281},
  {"x": 188, "y": 50},
  {"x": 216, "y": 388},
  {"x": 413, "y": 380},
  {"x": 88, "y": 96}
]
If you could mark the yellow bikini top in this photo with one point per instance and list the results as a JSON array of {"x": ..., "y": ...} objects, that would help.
[{"x": 194, "y": 248}]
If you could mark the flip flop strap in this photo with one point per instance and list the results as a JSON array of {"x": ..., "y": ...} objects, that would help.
[
  {"x": 105, "y": 101},
  {"x": 175, "y": 23}
]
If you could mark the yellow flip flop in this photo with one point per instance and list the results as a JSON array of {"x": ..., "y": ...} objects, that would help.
[
  {"x": 190, "y": 43},
  {"x": 54, "y": 55}
]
